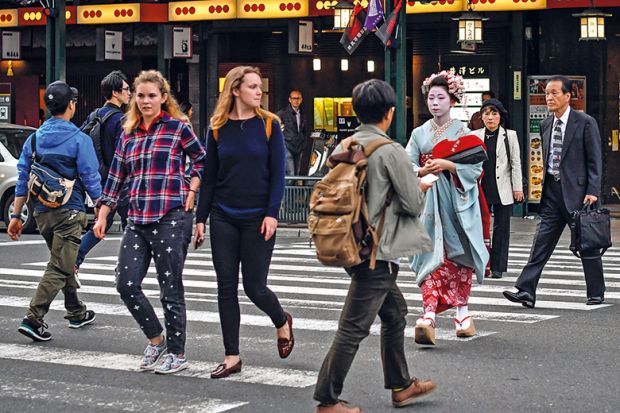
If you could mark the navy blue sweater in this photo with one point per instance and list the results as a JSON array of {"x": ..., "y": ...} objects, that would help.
[{"x": 245, "y": 170}]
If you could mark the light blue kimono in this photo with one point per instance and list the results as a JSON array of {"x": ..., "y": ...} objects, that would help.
[{"x": 451, "y": 215}]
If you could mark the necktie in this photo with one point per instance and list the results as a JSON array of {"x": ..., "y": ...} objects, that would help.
[
  {"x": 556, "y": 149},
  {"x": 297, "y": 116}
]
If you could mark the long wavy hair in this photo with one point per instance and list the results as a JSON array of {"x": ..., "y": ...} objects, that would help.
[
  {"x": 170, "y": 106},
  {"x": 226, "y": 101}
]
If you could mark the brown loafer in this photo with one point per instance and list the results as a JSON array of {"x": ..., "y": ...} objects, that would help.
[
  {"x": 340, "y": 407},
  {"x": 222, "y": 371},
  {"x": 416, "y": 389},
  {"x": 285, "y": 346}
]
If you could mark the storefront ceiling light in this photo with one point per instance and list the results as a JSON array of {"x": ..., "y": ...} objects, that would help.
[
  {"x": 316, "y": 64},
  {"x": 344, "y": 64},
  {"x": 342, "y": 13},
  {"x": 470, "y": 27},
  {"x": 592, "y": 24},
  {"x": 370, "y": 65}
]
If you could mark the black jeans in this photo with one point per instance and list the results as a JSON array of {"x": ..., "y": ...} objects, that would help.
[
  {"x": 553, "y": 219},
  {"x": 371, "y": 292},
  {"x": 235, "y": 241},
  {"x": 501, "y": 237},
  {"x": 166, "y": 243}
]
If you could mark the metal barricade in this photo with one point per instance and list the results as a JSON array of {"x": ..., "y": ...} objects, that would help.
[{"x": 294, "y": 209}]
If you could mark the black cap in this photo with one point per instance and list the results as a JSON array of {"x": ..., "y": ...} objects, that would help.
[
  {"x": 58, "y": 95},
  {"x": 496, "y": 104}
]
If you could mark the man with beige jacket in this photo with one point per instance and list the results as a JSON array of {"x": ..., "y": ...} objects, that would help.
[{"x": 374, "y": 291}]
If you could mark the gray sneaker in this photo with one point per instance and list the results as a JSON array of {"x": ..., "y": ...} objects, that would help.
[
  {"x": 172, "y": 364},
  {"x": 152, "y": 355}
]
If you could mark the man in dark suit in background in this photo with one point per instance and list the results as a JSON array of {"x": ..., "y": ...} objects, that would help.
[
  {"x": 294, "y": 130},
  {"x": 573, "y": 165}
]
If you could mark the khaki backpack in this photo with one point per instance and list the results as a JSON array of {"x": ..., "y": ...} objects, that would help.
[{"x": 338, "y": 219}]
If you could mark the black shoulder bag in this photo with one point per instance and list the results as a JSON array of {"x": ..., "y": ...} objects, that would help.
[{"x": 590, "y": 231}]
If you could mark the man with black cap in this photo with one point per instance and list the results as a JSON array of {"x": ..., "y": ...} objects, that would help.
[
  {"x": 501, "y": 182},
  {"x": 60, "y": 146}
]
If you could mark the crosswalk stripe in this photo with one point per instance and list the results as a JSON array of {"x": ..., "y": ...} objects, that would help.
[
  {"x": 270, "y": 376},
  {"x": 212, "y": 317},
  {"x": 334, "y": 292},
  {"x": 87, "y": 396}
]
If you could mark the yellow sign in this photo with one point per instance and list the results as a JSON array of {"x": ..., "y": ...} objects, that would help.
[
  {"x": 202, "y": 10},
  {"x": 109, "y": 13},
  {"x": 439, "y": 6},
  {"x": 506, "y": 5},
  {"x": 271, "y": 9},
  {"x": 8, "y": 18}
]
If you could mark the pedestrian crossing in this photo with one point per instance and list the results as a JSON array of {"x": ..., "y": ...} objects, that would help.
[{"x": 314, "y": 294}]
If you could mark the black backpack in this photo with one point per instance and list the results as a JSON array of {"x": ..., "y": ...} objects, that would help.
[{"x": 94, "y": 129}]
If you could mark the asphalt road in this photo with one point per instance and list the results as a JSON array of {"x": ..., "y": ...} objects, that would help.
[{"x": 562, "y": 356}]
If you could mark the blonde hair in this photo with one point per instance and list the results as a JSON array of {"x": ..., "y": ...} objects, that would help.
[
  {"x": 226, "y": 101},
  {"x": 170, "y": 106}
]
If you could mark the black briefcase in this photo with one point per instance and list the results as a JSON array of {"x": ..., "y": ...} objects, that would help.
[{"x": 590, "y": 231}]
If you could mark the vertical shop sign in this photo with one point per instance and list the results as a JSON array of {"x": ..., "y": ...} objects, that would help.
[
  {"x": 516, "y": 85},
  {"x": 182, "y": 42},
  {"x": 537, "y": 112},
  {"x": 306, "y": 37},
  {"x": 113, "y": 45},
  {"x": 11, "y": 45}
]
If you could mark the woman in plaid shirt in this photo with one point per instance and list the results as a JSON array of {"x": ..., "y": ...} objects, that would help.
[{"x": 151, "y": 157}]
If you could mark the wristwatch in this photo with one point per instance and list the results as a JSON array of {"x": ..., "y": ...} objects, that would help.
[{"x": 18, "y": 216}]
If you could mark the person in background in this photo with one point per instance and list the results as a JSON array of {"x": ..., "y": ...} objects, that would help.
[
  {"x": 70, "y": 153},
  {"x": 294, "y": 131},
  {"x": 452, "y": 214},
  {"x": 476, "y": 122},
  {"x": 374, "y": 291},
  {"x": 187, "y": 109},
  {"x": 151, "y": 157},
  {"x": 501, "y": 181},
  {"x": 573, "y": 163},
  {"x": 115, "y": 89},
  {"x": 241, "y": 196}
]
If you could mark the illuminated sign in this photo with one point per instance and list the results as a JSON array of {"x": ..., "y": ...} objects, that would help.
[
  {"x": 109, "y": 13},
  {"x": 271, "y": 9},
  {"x": 507, "y": 5},
  {"x": 202, "y": 10},
  {"x": 8, "y": 18},
  {"x": 439, "y": 6}
]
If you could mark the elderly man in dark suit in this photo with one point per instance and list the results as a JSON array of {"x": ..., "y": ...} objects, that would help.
[
  {"x": 294, "y": 130},
  {"x": 573, "y": 165}
]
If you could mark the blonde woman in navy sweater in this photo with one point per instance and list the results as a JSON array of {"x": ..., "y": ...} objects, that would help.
[{"x": 241, "y": 194}]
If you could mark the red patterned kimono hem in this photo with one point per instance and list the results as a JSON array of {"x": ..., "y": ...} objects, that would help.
[{"x": 447, "y": 287}]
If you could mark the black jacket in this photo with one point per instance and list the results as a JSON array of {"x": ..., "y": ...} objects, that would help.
[
  {"x": 581, "y": 163},
  {"x": 294, "y": 139}
]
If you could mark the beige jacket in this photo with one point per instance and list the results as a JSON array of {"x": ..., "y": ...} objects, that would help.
[
  {"x": 403, "y": 234},
  {"x": 509, "y": 173}
]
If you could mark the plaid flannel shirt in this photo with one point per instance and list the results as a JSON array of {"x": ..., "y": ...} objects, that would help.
[{"x": 153, "y": 162}]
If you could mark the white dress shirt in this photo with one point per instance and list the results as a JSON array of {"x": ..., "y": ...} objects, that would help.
[{"x": 564, "y": 119}]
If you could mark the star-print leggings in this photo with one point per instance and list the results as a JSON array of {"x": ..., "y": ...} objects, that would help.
[{"x": 166, "y": 243}]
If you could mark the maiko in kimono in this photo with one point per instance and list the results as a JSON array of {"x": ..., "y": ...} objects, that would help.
[{"x": 452, "y": 214}]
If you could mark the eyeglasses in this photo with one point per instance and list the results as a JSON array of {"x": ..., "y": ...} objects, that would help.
[
  {"x": 127, "y": 89},
  {"x": 295, "y": 98}
]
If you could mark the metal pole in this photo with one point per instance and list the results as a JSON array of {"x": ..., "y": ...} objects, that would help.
[
  {"x": 396, "y": 75},
  {"x": 61, "y": 46}
]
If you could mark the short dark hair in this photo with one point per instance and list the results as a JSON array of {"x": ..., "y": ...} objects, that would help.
[
  {"x": 113, "y": 82},
  {"x": 566, "y": 82},
  {"x": 490, "y": 93},
  {"x": 185, "y": 106},
  {"x": 441, "y": 81},
  {"x": 372, "y": 100}
]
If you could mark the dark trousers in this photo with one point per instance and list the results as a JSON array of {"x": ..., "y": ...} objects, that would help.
[
  {"x": 501, "y": 237},
  {"x": 61, "y": 228},
  {"x": 371, "y": 292},
  {"x": 233, "y": 242},
  {"x": 89, "y": 240},
  {"x": 166, "y": 243},
  {"x": 292, "y": 163},
  {"x": 553, "y": 219}
]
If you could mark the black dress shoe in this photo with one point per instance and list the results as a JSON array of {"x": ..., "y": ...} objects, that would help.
[
  {"x": 525, "y": 298},
  {"x": 496, "y": 274},
  {"x": 595, "y": 300}
]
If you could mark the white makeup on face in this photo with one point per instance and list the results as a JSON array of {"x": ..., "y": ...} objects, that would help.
[{"x": 438, "y": 101}]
